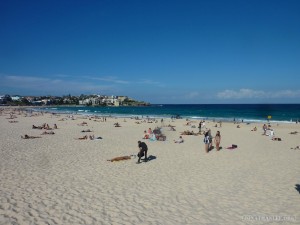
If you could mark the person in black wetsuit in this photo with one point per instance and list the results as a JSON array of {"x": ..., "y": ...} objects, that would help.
[{"x": 143, "y": 151}]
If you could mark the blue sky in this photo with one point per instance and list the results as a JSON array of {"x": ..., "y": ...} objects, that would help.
[{"x": 213, "y": 51}]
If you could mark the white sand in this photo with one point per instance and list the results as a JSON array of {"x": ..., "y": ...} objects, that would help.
[{"x": 59, "y": 180}]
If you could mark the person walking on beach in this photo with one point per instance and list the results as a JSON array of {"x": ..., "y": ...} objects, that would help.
[
  {"x": 210, "y": 146},
  {"x": 203, "y": 124},
  {"x": 200, "y": 124},
  {"x": 265, "y": 129},
  {"x": 206, "y": 141},
  {"x": 143, "y": 149},
  {"x": 218, "y": 140}
]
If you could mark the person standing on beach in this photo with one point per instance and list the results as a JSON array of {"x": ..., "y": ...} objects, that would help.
[
  {"x": 203, "y": 124},
  {"x": 143, "y": 149},
  {"x": 265, "y": 129},
  {"x": 218, "y": 140},
  {"x": 200, "y": 124},
  {"x": 206, "y": 141},
  {"x": 210, "y": 140}
]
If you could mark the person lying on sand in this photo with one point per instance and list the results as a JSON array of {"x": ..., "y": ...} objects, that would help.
[
  {"x": 82, "y": 138},
  {"x": 294, "y": 132},
  {"x": 82, "y": 124},
  {"x": 45, "y": 132},
  {"x": 187, "y": 132},
  {"x": 276, "y": 139},
  {"x": 116, "y": 159},
  {"x": 172, "y": 129},
  {"x": 92, "y": 137},
  {"x": 26, "y": 136},
  {"x": 37, "y": 127},
  {"x": 88, "y": 130},
  {"x": 296, "y": 148},
  {"x": 13, "y": 121},
  {"x": 179, "y": 140}
]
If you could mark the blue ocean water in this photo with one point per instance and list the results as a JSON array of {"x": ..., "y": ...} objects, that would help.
[{"x": 224, "y": 112}]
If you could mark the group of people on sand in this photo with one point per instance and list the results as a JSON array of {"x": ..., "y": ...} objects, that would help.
[
  {"x": 267, "y": 131},
  {"x": 45, "y": 126},
  {"x": 90, "y": 137},
  {"x": 208, "y": 139},
  {"x": 149, "y": 134}
]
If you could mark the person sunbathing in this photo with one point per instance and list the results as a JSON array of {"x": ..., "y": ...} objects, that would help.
[
  {"x": 117, "y": 125},
  {"x": 294, "y": 132},
  {"x": 48, "y": 127},
  {"x": 92, "y": 137},
  {"x": 45, "y": 132},
  {"x": 82, "y": 124},
  {"x": 37, "y": 127},
  {"x": 82, "y": 138},
  {"x": 276, "y": 139},
  {"x": 187, "y": 132},
  {"x": 172, "y": 129},
  {"x": 116, "y": 159},
  {"x": 88, "y": 130},
  {"x": 26, "y": 136},
  {"x": 179, "y": 140},
  {"x": 254, "y": 129},
  {"x": 296, "y": 148}
]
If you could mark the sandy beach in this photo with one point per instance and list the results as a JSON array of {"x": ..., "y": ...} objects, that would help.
[{"x": 57, "y": 179}]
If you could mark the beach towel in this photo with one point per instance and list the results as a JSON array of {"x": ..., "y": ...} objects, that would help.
[{"x": 120, "y": 158}]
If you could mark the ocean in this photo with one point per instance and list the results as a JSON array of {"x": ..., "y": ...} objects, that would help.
[{"x": 220, "y": 112}]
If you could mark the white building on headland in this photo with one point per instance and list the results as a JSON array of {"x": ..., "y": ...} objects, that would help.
[{"x": 103, "y": 100}]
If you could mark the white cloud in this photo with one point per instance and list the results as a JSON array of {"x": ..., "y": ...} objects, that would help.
[
  {"x": 25, "y": 79},
  {"x": 249, "y": 93},
  {"x": 150, "y": 82},
  {"x": 52, "y": 85},
  {"x": 111, "y": 79},
  {"x": 287, "y": 94}
]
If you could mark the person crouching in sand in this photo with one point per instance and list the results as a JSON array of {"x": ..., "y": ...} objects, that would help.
[{"x": 143, "y": 151}]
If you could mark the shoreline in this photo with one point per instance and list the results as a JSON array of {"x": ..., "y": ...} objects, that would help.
[{"x": 117, "y": 115}]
